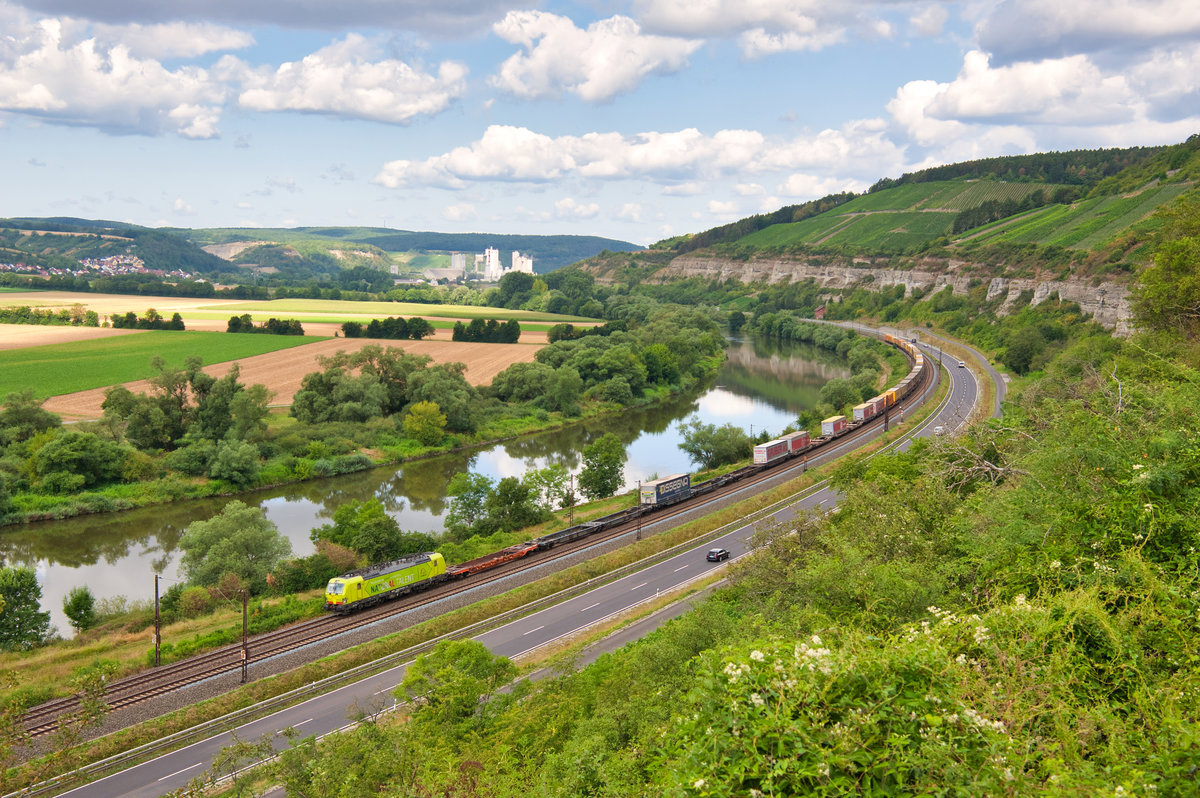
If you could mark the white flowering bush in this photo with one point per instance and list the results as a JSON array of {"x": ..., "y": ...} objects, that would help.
[
  {"x": 806, "y": 717},
  {"x": 1028, "y": 698}
]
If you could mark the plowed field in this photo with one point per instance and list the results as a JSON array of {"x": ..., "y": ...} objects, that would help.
[{"x": 282, "y": 371}]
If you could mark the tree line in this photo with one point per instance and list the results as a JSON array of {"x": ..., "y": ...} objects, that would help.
[
  {"x": 489, "y": 332},
  {"x": 77, "y": 316},
  {"x": 150, "y": 320},
  {"x": 272, "y": 326},
  {"x": 392, "y": 328}
]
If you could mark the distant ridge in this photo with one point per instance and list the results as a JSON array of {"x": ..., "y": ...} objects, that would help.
[{"x": 549, "y": 252}]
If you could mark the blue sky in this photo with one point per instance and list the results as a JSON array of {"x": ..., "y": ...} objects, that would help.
[{"x": 634, "y": 119}]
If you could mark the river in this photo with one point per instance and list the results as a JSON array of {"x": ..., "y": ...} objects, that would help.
[{"x": 761, "y": 386}]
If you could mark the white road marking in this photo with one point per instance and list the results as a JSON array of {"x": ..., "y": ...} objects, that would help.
[
  {"x": 585, "y": 609},
  {"x": 185, "y": 770},
  {"x": 643, "y": 584},
  {"x": 680, "y": 568},
  {"x": 531, "y": 631}
]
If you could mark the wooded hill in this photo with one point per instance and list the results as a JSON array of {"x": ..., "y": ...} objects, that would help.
[
  {"x": 297, "y": 254},
  {"x": 419, "y": 249},
  {"x": 1050, "y": 206},
  {"x": 61, "y": 242}
]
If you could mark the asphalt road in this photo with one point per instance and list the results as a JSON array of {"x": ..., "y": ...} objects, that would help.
[{"x": 338, "y": 709}]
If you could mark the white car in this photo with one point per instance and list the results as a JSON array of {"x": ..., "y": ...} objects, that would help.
[
  {"x": 962, "y": 365},
  {"x": 939, "y": 431}
]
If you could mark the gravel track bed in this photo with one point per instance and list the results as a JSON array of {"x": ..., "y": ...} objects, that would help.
[{"x": 220, "y": 685}]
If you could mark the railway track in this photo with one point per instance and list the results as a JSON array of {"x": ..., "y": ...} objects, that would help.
[{"x": 145, "y": 686}]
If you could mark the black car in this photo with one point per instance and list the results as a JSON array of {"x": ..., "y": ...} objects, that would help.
[{"x": 716, "y": 555}]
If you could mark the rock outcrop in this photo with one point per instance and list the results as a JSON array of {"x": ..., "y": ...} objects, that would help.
[{"x": 1107, "y": 303}]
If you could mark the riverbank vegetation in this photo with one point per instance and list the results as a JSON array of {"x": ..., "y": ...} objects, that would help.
[
  {"x": 195, "y": 435},
  {"x": 1012, "y": 612}
]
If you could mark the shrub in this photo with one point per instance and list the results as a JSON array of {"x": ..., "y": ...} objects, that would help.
[{"x": 195, "y": 601}]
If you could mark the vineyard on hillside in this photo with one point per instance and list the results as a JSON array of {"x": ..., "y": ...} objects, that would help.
[{"x": 1084, "y": 225}]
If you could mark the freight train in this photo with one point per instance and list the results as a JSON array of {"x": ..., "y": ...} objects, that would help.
[{"x": 385, "y": 581}]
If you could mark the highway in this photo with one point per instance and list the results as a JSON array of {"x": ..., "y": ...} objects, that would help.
[{"x": 332, "y": 711}]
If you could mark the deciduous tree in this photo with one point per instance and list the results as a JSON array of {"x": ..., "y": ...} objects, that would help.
[
  {"x": 711, "y": 446},
  {"x": 23, "y": 624},
  {"x": 451, "y": 680},
  {"x": 238, "y": 540},
  {"x": 80, "y": 608},
  {"x": 602, "y": 463},
  {"x": 425, "y": 423}
]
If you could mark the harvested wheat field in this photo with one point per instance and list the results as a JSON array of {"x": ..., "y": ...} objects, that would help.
[
  {"x": 283, "y": 371},
  {"x": 109, "y": 304},
  {"x": 20, "y": 336}
]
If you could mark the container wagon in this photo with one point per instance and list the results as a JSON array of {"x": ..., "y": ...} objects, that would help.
[
  {"x": 770, "y": 451},
  {"x": 797, "y": 441},
  {"x": 864, "y": 412},
  {"x": 378, "y": 583},
  {"x": 666, "y": 490},
  {"x": 833, "y": 426}
]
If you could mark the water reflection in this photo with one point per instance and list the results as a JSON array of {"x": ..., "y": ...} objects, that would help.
[{"x": 762, "y": 386}]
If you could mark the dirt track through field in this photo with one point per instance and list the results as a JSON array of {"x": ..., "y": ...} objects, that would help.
[{"x": 283, "y": 371}]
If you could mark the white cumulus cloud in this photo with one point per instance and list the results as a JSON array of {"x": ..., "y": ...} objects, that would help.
[
  {"x": 610, "y": 57},
  {"x": 504, "y": 153},
  {"x": 1029, "y": 105},
  {"x": 680, "y": 161},
  {"x": 341, "y": 80},
  {"x": 459, "y": 212},
  {"x": 630, "y": 212},
  {"x": 765, "y": 26},
  {"x": 803, "y": 186},
  {"x": 173, "y": 40},
  {"x": 568, "y": 208},
  {"x": 1031, "y": 30},
  {"x": 51, "y": 70},
  {"x": 929, "y": 21},
  {"x": 1070, "y": 91}
]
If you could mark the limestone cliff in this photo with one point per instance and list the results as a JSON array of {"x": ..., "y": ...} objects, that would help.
[{"x": 1106, "y": 302}]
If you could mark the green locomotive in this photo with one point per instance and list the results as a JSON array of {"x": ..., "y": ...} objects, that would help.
[{"x": 377, "y": 583}]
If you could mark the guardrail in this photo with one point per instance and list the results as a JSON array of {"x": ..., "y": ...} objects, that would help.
[{"x": 242, "y": 716}]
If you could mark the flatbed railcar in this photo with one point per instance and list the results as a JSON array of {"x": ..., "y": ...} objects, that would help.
[
  {"x": 377, "y": 583},
  {"x": 465, "y": 569}
]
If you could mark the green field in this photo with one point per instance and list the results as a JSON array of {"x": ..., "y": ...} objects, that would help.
[
  {"x": 341, "y": 310},
  {"x": 65, "y": 368}
]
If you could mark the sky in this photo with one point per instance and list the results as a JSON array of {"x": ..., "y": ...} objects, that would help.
[{"x": 632, "y": 119}]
